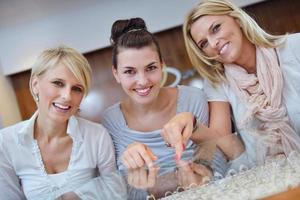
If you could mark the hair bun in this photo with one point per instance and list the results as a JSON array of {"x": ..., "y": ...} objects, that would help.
[{"x": 123, "y": 26}]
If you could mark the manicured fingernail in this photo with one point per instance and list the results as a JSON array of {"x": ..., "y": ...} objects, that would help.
[
  {"x": 176, "y": 157},
  {"x": 183, "y": 146}
]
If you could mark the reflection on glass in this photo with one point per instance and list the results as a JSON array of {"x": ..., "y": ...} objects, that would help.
[
  {"x": 207, "y": 163},
  {"x": 210, "y": 174},
  {"x": 107, "y": 186}
]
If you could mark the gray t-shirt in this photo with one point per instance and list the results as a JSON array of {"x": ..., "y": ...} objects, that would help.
[{"x": 189, "y": 99}]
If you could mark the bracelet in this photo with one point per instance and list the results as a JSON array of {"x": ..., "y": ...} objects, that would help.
[
  {"x": 203, "y": 162},
  {"x": 195, "y": 125}
]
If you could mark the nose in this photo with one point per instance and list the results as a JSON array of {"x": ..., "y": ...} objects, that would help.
[
  {"x": 66, "y": 94},
  {"x": 213, "y": 42},
  {"x": 142, "y": 79}
]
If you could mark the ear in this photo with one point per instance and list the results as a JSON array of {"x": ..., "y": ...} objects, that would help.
[
  {"x": 115, "y": 73},
  {"x": 163, "y": 64},
  {"x": 238, "y": 22},
  {"x": 34, "y": 84},
  {"x": 164, "y": 74}
]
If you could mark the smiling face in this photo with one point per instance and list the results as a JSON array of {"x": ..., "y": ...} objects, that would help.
[
  {"x": 219, "y": 36},
  {"x": 59, "y": 92},
  {"x": 139, "y": 72}
]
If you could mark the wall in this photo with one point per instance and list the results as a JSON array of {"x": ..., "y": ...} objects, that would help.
[
  {"x": 9, "y": 111},
  {"x": 85, "y": 28},
  {"x": 276, "y": 16},
  {"x": 27, "y": 27}
]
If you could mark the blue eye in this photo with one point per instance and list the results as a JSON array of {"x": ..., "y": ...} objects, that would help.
[
  {"x": 77, "y": 89},
  {"x": 151, "y": 68},
  {"x": 203, "y": 44},
  {"x": 129, "y": 71},
  {"x": 216, "y": 28},
  {"x": 58, "y": 83}
]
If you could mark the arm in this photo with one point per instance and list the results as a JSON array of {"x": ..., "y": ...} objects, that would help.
[
  {"x": 106, "y": 153},
  {"x": 10, "y": 187},
  {"x": 294, "y": 41},
  {"x": 109, "y": 184},
  {"x": 220, "y": 129},
  {"x": 179, "y": 130}
]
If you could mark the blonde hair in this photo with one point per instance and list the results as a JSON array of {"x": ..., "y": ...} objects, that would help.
[
  {"x": 70, "y": 57},
  {"x": 208, "y": 67}
]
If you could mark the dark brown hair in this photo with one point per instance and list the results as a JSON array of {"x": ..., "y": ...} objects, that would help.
[{"x": 131, "y": 33}]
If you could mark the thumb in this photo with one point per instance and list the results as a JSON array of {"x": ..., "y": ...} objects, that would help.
[{"x": 151, "y": 154}]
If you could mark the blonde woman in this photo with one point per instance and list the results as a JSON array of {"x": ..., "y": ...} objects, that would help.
[
  {"x": 55, "y": 153},
  {"x": 255, "y": 73}
]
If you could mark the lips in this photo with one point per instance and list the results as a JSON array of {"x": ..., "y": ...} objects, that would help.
[
  {"x": 223, "y": 49},
  {"x": 143, "y": 91},
  {"x": 61, "y": 107}
]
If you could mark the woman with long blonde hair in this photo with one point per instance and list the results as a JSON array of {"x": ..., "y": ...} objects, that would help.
[{"x": 245, "y": 69}]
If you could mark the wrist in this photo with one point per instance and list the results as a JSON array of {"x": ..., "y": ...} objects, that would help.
[{"x": 195, "y": 137}]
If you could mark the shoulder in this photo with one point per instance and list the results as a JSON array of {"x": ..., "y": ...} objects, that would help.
[
  {"x": 112, "y": 111},
  {"x": 9, "y": 136},
  {"x": 289, "y": 55},
  {"x": 291, "y": 47},
  {"x": 93, "y": 135},
  {"x": 89, "y": 124},
  {"x": 191, "y": 99},
  {"x": 218, "y": 92},
  {"x": 293, "y": 39},
  {"x": 91, "y": 129},
  {"x": 112, "y": 115},
  {"x": 191, "y": 92},
  {"x": 11, "y": 132}
]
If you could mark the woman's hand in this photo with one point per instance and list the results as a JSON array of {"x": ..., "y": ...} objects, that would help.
[
  {"x": 137, "y": 155},
  {"x": 178, "y": 131},
  {"x": 142, "y": 178}
]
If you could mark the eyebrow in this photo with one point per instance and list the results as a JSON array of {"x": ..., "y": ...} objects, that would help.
[
  {"x": 151, "y": 63},
  {"x": 58, "y": 79},
  {"x": 128, "y": 67},
  {"x": 62, "y": 80}
]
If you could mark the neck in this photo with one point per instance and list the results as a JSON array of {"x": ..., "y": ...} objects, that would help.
[
  {"x": 47, "y": 129},
  {"x": 248, "y": 57},
  {"x": 143, "y": 109}
]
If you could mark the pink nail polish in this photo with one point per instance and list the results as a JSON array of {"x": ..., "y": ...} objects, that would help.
[
  {"x": 183, "y": 146},
  {"x": 176, "y": 157}
]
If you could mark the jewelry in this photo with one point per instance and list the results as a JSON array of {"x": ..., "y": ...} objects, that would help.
[
  {"x": 36, "y": 97},
  {"x": 205, "y": 163},
  {"x": 167, "y": 144}
]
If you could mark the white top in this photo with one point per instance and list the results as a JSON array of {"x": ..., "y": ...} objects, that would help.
[
  {"x": 21, "y": 162},
  {"x": 58, "y": 179},
  {"x": 289, "y": 58}
]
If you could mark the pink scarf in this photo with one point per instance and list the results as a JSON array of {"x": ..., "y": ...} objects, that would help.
[{"x": 262, "y": 95}]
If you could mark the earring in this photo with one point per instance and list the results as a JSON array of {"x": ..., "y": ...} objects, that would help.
[{"x": 36, "y": 98}]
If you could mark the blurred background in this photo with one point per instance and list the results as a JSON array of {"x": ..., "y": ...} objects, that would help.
[{"x": 29, "y": 26}]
